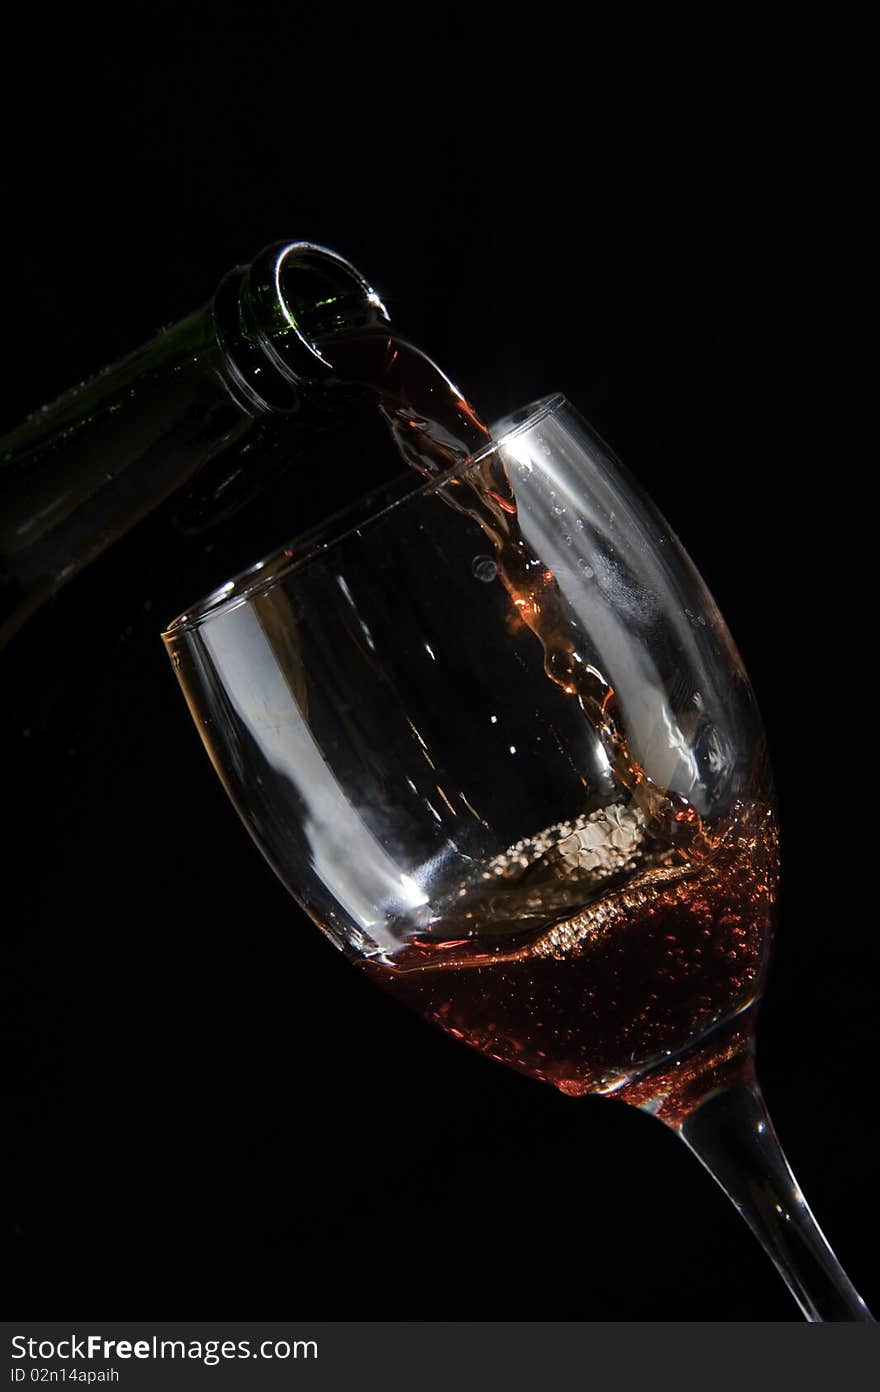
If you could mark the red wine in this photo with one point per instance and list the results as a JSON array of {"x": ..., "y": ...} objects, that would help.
[
  {"x": 592, "y": 954},
  {"x": 631, "y": 980}
]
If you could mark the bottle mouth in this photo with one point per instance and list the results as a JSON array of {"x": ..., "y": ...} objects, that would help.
[
  {"x": 321, "y": 294},
  {"x": 298, "y": 294},
  {"x": 273, "y": 316}
]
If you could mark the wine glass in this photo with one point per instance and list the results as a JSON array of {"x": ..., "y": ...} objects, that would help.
[{"x": 491, "y": 732}]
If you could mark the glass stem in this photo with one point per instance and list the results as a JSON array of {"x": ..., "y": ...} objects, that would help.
[{"x": 731, "y": 1134}]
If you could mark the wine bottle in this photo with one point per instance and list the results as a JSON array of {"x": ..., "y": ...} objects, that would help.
[{"x": 78, "y": 474}]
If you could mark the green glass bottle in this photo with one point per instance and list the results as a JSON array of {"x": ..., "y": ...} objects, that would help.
[{"x": 79, "y": 473}]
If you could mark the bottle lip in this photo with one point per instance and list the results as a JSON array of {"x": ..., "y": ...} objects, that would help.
[
  {"x": 264, "y": 331},
  {"x": 353, "y": 520},
  {"x": 267, "y": 273}
]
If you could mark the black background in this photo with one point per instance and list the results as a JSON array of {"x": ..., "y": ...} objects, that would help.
[{"x": 212, "y": 1115}]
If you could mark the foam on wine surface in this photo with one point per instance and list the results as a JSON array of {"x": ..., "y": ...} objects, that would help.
[{"x": 618, "y": 987}]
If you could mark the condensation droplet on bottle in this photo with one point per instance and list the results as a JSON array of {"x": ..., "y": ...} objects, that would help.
[{"x": 484, "y": 568}]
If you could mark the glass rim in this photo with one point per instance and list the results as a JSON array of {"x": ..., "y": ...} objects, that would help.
[{"x": 236, "y": 591}]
